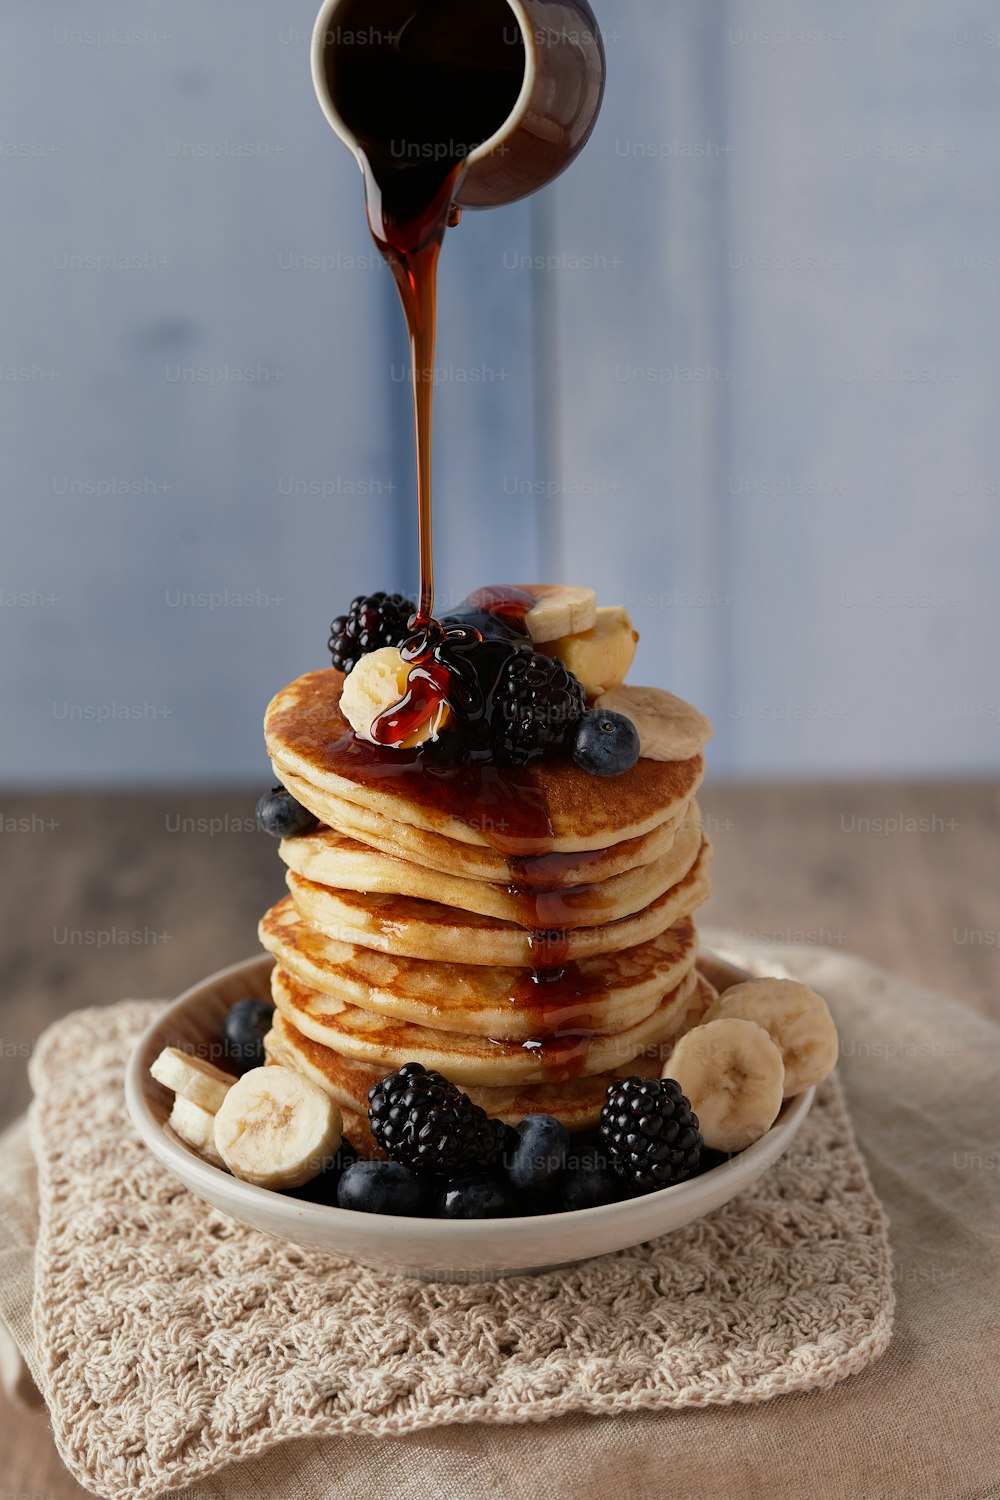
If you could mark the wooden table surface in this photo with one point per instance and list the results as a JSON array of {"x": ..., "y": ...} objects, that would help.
[{"x": 104, "y": 896}]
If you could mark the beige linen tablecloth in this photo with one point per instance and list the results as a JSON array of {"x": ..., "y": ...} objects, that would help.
[{"x": 922, "y": 1077}]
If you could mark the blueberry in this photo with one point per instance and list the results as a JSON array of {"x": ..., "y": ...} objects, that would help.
[
  {"x": 476, "y": 1198},
  {"x": 281, "y": 816},
  {"x": 243, "y": 1032},
  {"x": 323, "y": 1189},
  {"x": 382, "y": 1187},
  {"x": 605, "y": 743},
  {"x": 540, "y": 1153},
  {"x": 589, "y": 1182}
]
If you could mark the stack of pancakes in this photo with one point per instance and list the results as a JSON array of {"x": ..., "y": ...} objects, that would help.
[{"x": 527, "y": 933}]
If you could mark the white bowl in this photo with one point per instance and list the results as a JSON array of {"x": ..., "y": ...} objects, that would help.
[{"x": 432, "y": 1249}]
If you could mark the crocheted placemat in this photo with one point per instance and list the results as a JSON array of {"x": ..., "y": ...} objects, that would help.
[{"x": 174, "y": 1341}]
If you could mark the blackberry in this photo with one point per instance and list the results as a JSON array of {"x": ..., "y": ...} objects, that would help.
[
  {"x": 536, "y": 703},
  {"x": 474, "y": 668},
  {"x": 430, "y": 1126},
  {"x": 651, "y": 1133},
  {"x": 373, "y": 621}
]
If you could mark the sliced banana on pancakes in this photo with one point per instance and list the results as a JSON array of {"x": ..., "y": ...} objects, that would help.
[
  {"x": 379, "y": 684},
  {"x": 277, "y": 1129},
  {"x": 561, "y": 609},
  {"x": 734, "y": 1077},
  {"x": 669, "y": 728},
  {"x": 599, "y": 657},
  {"x": 797, "y": 1020}
]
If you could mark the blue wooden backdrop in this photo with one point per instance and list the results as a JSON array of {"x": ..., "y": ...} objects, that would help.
[{"x": 738, "y": 370}]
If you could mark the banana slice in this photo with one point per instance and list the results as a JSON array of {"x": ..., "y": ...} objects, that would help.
[
  {"x": 379, "y": 682},
  {"x": 600, "y": 657},
  {"x": 196, "y": 1128},
  {"x": 277, "y": 1128},
  {"x": 797, "y": 1020},
  {"x": 561, "y": 610},
  {"x": 192, "y": 1078},
  {"x": 669, "y": 728},
  {"x": 732, "y": 1073}
]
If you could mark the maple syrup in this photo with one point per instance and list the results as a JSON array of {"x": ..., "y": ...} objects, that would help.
[
  {"x": 421, "y": 84},
  {"x": 427, "y": 689},
  {"x": 562, "y": 1058}
]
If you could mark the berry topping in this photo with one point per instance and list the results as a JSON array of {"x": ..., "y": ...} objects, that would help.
[
  {"x": 373, "y": 621},
  {"x": 323, "y": 1189},
  {"x": 477, "y": 1198},
  {"x": 535, "y": 705},
  {"x": 382, "y": 1187},
  {"x": 651, "y": 1133},
  {"x": 540, "y": 1153},
  {"x": 429, "y": 1125},
  {"x": 243, "y": 1032},
  {"x": 506, "y": 677},
  {"x": 605, "y": 744},
  {"x": 281, "y": 816},
  {"x": 589, "y": 1182}
]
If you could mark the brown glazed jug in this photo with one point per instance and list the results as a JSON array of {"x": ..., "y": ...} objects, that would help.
[{"x": 561, "y": 91}]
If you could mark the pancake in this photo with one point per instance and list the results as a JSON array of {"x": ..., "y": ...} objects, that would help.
[
  {"x": 367, "y": 1037},
  {"x": 425, "y": 929},
  {"x": 577, "y": 1103},
  {"x": 478, "y": 861},
  {"x": 607, "y": 993},
  {"x": 550, "y": 807},
  {"x": 329, "y": 859}
]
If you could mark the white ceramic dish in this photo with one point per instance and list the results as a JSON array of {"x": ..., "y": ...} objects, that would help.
[{"x": 433, "y": 1249}]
